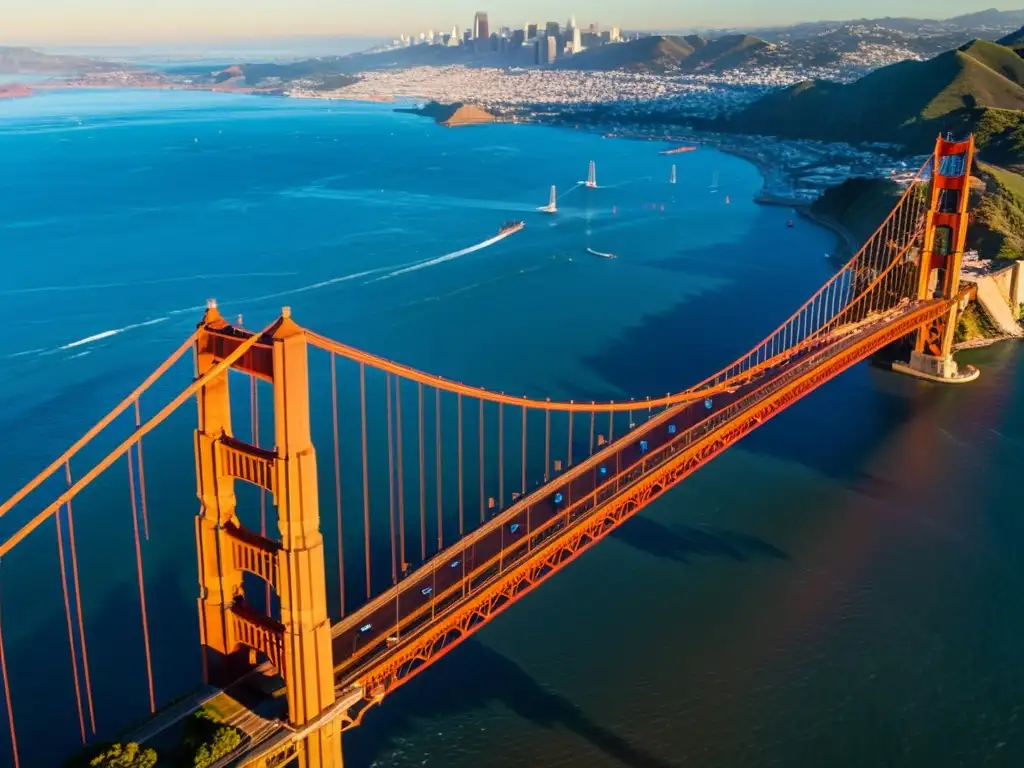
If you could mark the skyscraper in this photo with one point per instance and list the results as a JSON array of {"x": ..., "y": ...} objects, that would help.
[
  {"x": 577, "y": 44},
  {"x": 531, "y": 31},
  {"x": 552, "y": 49},
  {"x": 481, "y": 29}
]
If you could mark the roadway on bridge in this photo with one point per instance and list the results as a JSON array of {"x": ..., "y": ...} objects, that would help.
[{"x": 386, "y": 623}]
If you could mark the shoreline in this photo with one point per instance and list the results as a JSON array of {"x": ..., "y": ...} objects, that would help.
[{"x": 842, "y": 234}]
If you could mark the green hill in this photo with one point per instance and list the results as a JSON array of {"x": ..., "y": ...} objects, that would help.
[
  {"x": 997, "y": 209},
  {"x": 858, "y": 205},
  {"x": 662, "y": 54},
  {"x": 908, "y": 102},
  {"x": 1014, "y": 40}
]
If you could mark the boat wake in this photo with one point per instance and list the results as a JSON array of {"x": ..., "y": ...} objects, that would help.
[
  {"x": 106, "y": 335},
  {"x": 447, "y": 257}
]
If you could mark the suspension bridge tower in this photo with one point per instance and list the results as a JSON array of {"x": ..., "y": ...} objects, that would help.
[
  {"x": 941, "y": 258},
  {"x": 232, "y": 631}
]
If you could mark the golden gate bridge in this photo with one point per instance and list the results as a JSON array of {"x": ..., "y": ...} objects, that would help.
[{"x": 485, "y": 495}]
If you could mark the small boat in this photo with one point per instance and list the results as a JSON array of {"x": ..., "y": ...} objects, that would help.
[
  {"x": 602, "y": 255},
  {"x": 789, "y": 223},
  {"x": 511, "y": 226}
]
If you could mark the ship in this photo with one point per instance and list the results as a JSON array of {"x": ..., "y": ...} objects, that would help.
[
  {"x": 511, "y": 226},
  {"x": 602, "y": 255},
  {"x": 678, "y": 150},
  {"x": 789, "y": 223}
]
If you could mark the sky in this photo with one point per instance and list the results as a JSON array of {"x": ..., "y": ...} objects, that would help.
[{"x": 183, "y": 21}]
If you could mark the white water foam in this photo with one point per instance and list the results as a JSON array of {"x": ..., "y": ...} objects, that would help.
[
  {"x": 447, "y": 257},
  {"x": 108, "y": 334}
]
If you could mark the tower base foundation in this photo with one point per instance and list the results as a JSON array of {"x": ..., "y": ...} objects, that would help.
[{"x": 941, "y": 370}]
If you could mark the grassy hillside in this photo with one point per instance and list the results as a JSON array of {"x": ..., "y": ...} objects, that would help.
[
  {"x": 1013, "y": 40},
  {"x": 858, "y": 205},
  {"x": 908, "y": 102},
  {"x": 997, "y": 209},
  {"x": 669, "y": 53},
  {"x": 997, "y": 222}
]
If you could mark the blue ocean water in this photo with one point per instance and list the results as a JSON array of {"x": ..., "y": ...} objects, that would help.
[{"x": 841, "y": 589}]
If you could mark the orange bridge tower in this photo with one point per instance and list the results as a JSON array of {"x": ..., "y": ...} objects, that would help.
[
  {"x": 941, "y": 258},
  {"x": 298, "y": 644}
]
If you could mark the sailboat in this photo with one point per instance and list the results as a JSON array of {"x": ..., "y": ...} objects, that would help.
[
  {"x": 672, "y": 178},
  {"x": 591, "y": 181},
  {"x": 714, "y": 182},
  {"x": 552, "y": 206}
]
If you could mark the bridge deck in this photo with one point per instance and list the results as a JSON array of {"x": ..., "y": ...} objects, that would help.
[{"x": 369, "y": 636}]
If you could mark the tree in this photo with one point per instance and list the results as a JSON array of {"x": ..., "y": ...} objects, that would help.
[
  {"x": 224, "y": 741},
  {"x": 207, "y": 740},
  {"x": 129, "y": 755}
]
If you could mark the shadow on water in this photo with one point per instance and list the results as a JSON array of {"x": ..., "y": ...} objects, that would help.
[
  {"x": 680, "y": 543},
  {"x": 42, "y": 684},
  {"x": 468, "y": 680}
]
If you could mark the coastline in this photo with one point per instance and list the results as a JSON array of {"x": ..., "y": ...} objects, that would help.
[{"x": 842, "y": 234}]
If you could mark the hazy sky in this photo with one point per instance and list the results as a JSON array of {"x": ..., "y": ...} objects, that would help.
[{"x": 140, "y": 21}]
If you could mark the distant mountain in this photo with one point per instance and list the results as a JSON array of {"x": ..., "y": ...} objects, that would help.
[
  {"x": 823, "y": 43},
  {"x": 26, "y": 61},
  {"x": 665, "y": 54},
  {"x": 908, "y": 102},
  {"x": 991, "y": 17}
]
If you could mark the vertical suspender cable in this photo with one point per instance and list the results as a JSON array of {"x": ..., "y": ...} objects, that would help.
[
  {"x": 462, "y": 521},
  {"x": 391, "y": 481},
  {"x": 523, "y": 488},
  {"x": 366, "y": 477},
  {"x": 439, "y": 467},
  {"x": 483, "y": 504},
  {"x": 501, "y": 455},
  {"x": 568, "y": 462},
  {"x": 7, "y": 697},
  {"x": 337, "y": 481},
  {"x": 401, "y": 474},
  {"x": 78, "y": 606},
  {"x": 142, "y": 585},
  {"x": 593, "y": 415},
  {"x": 142, "y": 474},
  {"x": 423, "y": 487},
  {"x": 547, "y": 444},
  {"x": 71, "y": 632}
]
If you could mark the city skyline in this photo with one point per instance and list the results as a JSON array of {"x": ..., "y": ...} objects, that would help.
[{"x": 187, "y": 21}]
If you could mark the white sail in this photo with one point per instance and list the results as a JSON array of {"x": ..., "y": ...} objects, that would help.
[
  {"x": 672, "y": 178},
  {"x": 592, "y": 175},
  {"x": 552, "y": 206}
]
